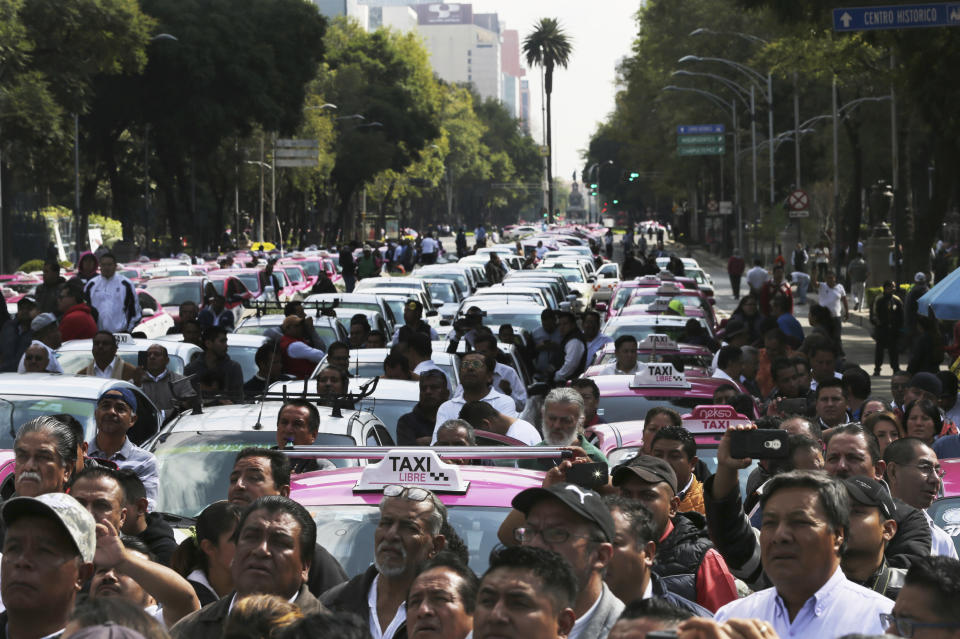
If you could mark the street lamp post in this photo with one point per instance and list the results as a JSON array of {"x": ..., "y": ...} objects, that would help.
[
  {"x": 594, "y": 172},
  {"x": 736, "y": 151}
]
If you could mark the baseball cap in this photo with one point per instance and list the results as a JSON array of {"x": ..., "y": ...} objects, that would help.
[
  {"x": 75, "y": 519},
  {"x": 583, "y": 501},
  {"x": 125, "y": 394},
  {"x": 648, "y": 468},
  {"x": 413, "y": 305},
  {"x": 290, "y": 321},
  {"x": 919, "y": 277},
  {"x": 870, "y": 492},
  {"x": 42, "y": 321},
  {"x": 927, "y": 382}
]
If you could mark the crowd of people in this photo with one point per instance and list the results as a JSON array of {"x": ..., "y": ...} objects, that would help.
[{"x": 832, "y": 540}]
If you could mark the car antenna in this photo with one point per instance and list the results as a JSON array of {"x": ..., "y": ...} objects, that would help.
[{"x": 258, "y": 425}]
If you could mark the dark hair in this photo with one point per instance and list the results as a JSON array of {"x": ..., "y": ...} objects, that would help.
[
  {"x": 777, "y": 334},
  {"x": 556, "y": 576},
  {"x": 883, "y": 416},
  {"x": 106, "y": 255},
  {"x": 136, "y": 545},
  {"x": 856, "y": 382},
  {"x": 337, "y": 345},
  {"x": 132, "y": 485},
  {"x": 454, "y": 543},
  {"x": 277, "y": 504},
  {"x": 830, "y": 383},
  {"x": 396, "y": 359},
  {"x": 949, "y": 383},
  {"x": 265, "y": 353},
  {"x": 313, "y": 422},
  {"x": 656, "y": 608},
  {"x": 940, "y": 577},
  {"x": 815, "y": 343},
  {"x": 342, "y": 625},
  {"x": 471, "y": 583},
  {"x": 903, "y": 451},
  {"x": 590, "y": 313},
  {"x": 360, "y": 318},
  {"x": 421, "y": 345},
  {"x": 662, "y": 410},
  {"x": 813, "y": 425},
  {"x": 728, "y": 355},
  {"x": 291, "y": 306},
  {"x": 211, "y": 333},
  {"x": 744, "y": 404},
  {"x": 63, "y": 434},
  {"x": 678, "y": 434},
  {"x": 279, "y": 463},
  {"x": 857, "y": 430},
  {"x": 821, "y": 316},
  {"x": 74, "y": 424},
  {"x": 623, "y": 339},
  {"x": 726, "y": 386},
  {"x": 637, "y": 515},
  {"x": 795, "y": 443},
  {"x": 215, "y": 520},
  {"x": 929, "y": 408},
  {"x": 107, "y": 333},
  {"x": 585, "y": 382},
  {"x": 118, "y": 611},
  {"x": 832, "y": 494},
  {"x": 191, "y": 322},
  {"x": 435, "y": 372},
  {"x": 72, "y": 289},
  {"x": 475, "y": 412},
  {"x": 98, "y": 472},
  {"x": 485, "y": 339},
  {"x": 377, "y": 333},
  {"x": 488, "y": 362}
]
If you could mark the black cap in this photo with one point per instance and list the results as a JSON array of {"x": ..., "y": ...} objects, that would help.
[
  {"x": 583, "y": 501},
  {"x": 927, "y": 382},
  {"x": 733, "y": 328},
  {"x": 870, "y": 492},
  {"x": 648, "y": 468}
]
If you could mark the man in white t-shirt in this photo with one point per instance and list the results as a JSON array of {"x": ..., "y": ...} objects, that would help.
[
  {"x": 834, "y": 297},
  {"x": 483, "y": 416},
  {"x": 757, "y": 276},
  {"x": 428, "y": 249}
]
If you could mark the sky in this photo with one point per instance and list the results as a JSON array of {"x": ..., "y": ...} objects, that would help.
[{"x": 602, "y": 33}]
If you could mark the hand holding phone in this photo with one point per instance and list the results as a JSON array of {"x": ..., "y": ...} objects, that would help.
[
  {"x": 760, "y": 444},
  {"x": 590, "y": 475}
]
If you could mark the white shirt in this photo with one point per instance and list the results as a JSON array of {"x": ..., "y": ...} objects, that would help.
[
  {"x": 595, "y": 345},
  {"x": 302, "y": 350},
  {"x": 433, "y": 335},
  {"x": 450, "y": 409},
  {"x": 573, "y": 350},
  {"x": 830, "y": 297},
  {"x": 719, "y": 374},
  {"x": 525, "y": 432},
  {"x": 200, "y": 577},
  {"x": 428, "y": 245},
  {"x": 108, "y": 296},
  {"x": 583, "y": 620},
  {"x": 940, "y": 542},
  {"x": 502, "y": 372},
  {"x": 53, "y": 365},
  {"x": 107, "y": 372},
  {"x": 814, "y": 384},
  {"x": 395, "y": 623},
  {"x": 611, "y": 369}
]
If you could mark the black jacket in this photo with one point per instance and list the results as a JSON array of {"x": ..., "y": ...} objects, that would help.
[
  {"x": 325, "y": 572},
  {"x": 679, "y": 556},
  {"x": 352, "y": 597},
  {"x": 158, "y": 537},
  {"x": 659, "y": 591}
]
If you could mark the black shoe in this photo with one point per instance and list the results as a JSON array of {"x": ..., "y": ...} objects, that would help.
[{"x": 876, "y": 372}]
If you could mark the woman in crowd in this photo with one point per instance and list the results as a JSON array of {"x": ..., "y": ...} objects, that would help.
[{"x": 204, "y": 558}]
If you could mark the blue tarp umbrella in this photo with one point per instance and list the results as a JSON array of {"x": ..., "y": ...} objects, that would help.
[{"x": 944, "y": 297}]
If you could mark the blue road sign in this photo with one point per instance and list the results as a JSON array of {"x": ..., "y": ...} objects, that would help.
[
  {"x": 688, "y": 129},
  {"x": 907, "y": 16}
]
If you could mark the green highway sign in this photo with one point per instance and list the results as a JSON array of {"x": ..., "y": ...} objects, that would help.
[
  {"x": 705, "y": 149},
  {"x": 684, "y": 140}
]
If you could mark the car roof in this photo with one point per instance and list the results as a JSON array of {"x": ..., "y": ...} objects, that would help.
[
  {"x": 399, "y": 389},
  {"x": 55, "y": 385},
  {"x": 347, "y": 297},
  {"x": 620, "y": 386},
  {"x": 647, "y": 320},
  {"x": 174, "y": 347},
  {"x": 685, "y": 349},
  {"x": 246, "y": 417},
  {"x": 175, "y": 279}
]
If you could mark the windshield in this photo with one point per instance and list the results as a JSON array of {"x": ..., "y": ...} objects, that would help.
[
  {"x": 441, "y": 292},
  {"x": 130, "y": 274},
  {"x": 293, "y": 273},
  {"x": 569, "y": 274},
  {"x": 457, "y": 278},
  {"x": 946, "y": 514},
  {"x": 15, "y": 410},
  {"x": 621, "y": 298},
  {"x": 244, "y": 355},
  {"x": 650, "y": 298},
  {"x": 528, "y": 321},
  {"x": 175, "y": 293},
  {"x": 388, "y": 411},
  {"x": 614, "y": 331},
  {"x": 347, "y": 532},
  {"x": 310, "y": 268},
  {"x": 253, "y": 327},
  {"x": 622, "y": 409},
  {"x": 73, "y": 361},
  {"x": 250, "y": 281}
]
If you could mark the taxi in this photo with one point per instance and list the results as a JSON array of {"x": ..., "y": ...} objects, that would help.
[
  {"x": 608, "y": 278},
  {"x": 28, "y": 395},
  {"x": 690, "y": 298},
  {"x": 344, "y": 502},
  {"x": 625, "y": 289},
  {"x": 656, "y": 347},
  {"x": 302, "y": 281},
  {"x": 360, "y": 301},
  {"x": 154, "y": 321},
  {"x": 328, "y": 328},
  {"x": 627, "y": 397},
  {"x": 945, "y": 511},
  {"x": 7, "y": 462},
  {"x": 642, "y": 325},
  {"x": 368, "y": 362}
]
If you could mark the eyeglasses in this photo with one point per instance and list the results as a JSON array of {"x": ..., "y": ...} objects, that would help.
[
  {"x": 906, "y": 627},
  {"x": 550, "y": 536},
  {"x": 410, "y": 492},
  {"x": 471, "y": 363},
  {"x": 927, "y": 470}
]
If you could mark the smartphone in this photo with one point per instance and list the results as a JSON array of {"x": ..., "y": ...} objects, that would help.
[
  {"x": 590, "y": 475},
  {"x": 142, "y": 359},
  {"x": 795, "y": 406},
  {"x": 760, "y": 444},
  {"x": 662, "y": 634}
]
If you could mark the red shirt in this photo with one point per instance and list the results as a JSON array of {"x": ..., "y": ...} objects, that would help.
[
  {"x": 715, "y": 585},
  {"x": 736, "y": 265},
  {"x": 769, "y": 289}
]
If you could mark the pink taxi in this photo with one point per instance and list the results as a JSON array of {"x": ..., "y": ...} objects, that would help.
[
  {"x": 945, "y": 511},
  {"x": 689, "y": 358},
  {"x": 344, "y": 501},
  {"x": 6, "y": 472},
  {"x": 626, "y": 288}
]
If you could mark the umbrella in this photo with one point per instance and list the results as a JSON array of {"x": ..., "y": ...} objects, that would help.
[
  {"x": 944, "y": 298},
  {"x": 263, "y": 246}
]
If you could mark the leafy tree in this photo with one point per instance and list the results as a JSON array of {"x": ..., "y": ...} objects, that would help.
[{"x": 548, "y": 46}]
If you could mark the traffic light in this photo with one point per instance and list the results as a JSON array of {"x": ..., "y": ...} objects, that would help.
[
  {"x": 616, "y": 201},
  {"x": 634, "y": 175}
]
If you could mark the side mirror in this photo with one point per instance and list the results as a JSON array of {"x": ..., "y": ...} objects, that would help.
[
  {"x": 591, "y": 279},
  {"x": 438, "y": 304},
  {"x": 572, "y": 296},
  {"x": 601, "y": 307},
  {"x": 148, "y": 312},
  {"x": 432, "y": 313}
]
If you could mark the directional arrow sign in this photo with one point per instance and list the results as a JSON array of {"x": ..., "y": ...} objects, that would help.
[
  {"x": 700, "y": 139},
  {"x": 907, "y": 16},
  {"x": 692, "y": 129},
  {"x": 711, "y": 149}
]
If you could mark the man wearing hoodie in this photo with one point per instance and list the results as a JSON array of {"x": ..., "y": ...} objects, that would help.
[
  {"x": 77, "y": 321},
  {"x": 47, "y": 292},
  {"x": 86, "y": 269}
]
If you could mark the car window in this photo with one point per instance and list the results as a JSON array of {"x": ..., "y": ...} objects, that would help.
[
  {"x": 15, "y": 410},
  {"x": 146, "y": 301},
  {"x": 293, "y": 273},
  {"x": 626, "y": 408},
  {"x": 174, "y": 293},
  {"x": 946, "y": 514}
]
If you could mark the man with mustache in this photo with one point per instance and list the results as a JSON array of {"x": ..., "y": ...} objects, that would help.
[
  {"x": 407, "y": 535},
  {"x": 441, "y": 599},
  {"x": 563, "y": 416}
]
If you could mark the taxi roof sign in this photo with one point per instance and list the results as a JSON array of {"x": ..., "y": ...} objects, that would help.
[
  {"x": 123, "y": 338},
  {"x": 658, "y": 341},
  {"x": 713, "y": 419},
  {"x": 412, "y": 467},
  {"x": 669, "y": 287},
  {"x": 658, "y": 375}
]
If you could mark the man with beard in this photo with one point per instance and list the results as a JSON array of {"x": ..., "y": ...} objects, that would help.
[
  {"x": 563, "y": 417},
  {"x": 407, "y": 534}
]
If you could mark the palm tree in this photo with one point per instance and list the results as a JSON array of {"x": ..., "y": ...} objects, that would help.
[{"x": 548, "y": 46}]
